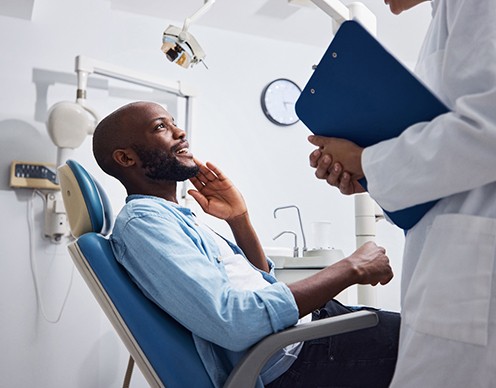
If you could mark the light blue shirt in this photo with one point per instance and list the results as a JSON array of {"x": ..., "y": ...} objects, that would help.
[{"x": 177, "y": 265}]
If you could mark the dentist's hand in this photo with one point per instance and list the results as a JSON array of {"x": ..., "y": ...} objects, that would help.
[
  {"x": 337, "y": 161},
  {"x": 216, "y": 194}
]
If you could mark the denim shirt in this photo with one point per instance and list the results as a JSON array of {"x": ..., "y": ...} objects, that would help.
[{"x": 178, "y": 266}]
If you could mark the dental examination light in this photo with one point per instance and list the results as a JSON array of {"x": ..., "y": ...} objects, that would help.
[
  {"x": 179, "y": 46},
  {"x": 68, "y": 125},
  {"x": 70, "y": 122}
]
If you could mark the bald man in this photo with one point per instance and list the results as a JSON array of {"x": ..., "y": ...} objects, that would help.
[{"x": 225, "y": 293}]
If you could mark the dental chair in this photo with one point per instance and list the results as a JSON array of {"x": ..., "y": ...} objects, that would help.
[{"x": 162, "y": 349}]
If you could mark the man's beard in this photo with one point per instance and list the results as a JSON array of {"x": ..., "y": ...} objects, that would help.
[{"x": 162, "y": 167}]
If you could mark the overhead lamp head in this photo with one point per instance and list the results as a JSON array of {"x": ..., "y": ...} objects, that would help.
[
  {"x": 180, "y": 47},
  {"x": 69, "y": 123}
]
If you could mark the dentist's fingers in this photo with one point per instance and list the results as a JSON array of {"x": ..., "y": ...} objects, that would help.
[
  {"x": 345, "y": 184},
  {"x": 334, "y": 176},
  {"x": 323, "y": 166},
  {"x": 341, "y": 179},
  {"x": 319, "y": 141},
  {"x": 314, "y": 158}
]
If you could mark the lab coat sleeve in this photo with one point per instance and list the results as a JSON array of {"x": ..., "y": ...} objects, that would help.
[
  {"x": 455, "y": 152},
  {"x": 173, "y": 270}
]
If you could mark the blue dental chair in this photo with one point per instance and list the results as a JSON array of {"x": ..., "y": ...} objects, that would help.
[{"x": 162, "y": 349}]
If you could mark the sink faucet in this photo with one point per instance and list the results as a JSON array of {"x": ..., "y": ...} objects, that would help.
[
  {"x": 295, "y": 248},
  {"x": 304, "y": 249}
]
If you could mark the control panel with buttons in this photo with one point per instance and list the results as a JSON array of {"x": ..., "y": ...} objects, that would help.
[{"x": 33, "y": 175}]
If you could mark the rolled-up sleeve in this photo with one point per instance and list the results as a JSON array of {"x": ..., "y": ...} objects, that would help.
[{"x": 173, "y": 269}]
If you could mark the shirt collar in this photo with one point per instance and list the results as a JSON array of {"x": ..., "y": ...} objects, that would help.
[{"x": 182, "y": 209}]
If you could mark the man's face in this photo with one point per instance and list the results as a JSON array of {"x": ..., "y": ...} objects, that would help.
[
  {"x": 398, "y": 6},
  {"x": 161, "y": 146}
]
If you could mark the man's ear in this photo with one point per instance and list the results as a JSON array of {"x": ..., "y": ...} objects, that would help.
[{"x": 124, "y": 157}]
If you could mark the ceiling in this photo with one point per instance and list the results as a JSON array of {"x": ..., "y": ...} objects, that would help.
[
  {"x": 280, "y": 20},
  {"x": 273, "y": 19},
  {"x": 22, "y": 9}
]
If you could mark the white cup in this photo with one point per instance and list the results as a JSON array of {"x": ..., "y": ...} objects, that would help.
[{"x": 322, "y": 235}]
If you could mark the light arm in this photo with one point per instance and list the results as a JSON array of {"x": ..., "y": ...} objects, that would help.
[
  {"x": 89, "y": 65},
  {"x": 197, "y": 14},
  {"x": 354, "y": 11},
  {"x": 334, "y": 8}
]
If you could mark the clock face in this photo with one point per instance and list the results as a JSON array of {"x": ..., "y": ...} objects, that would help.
[{"x": 278, "y": 101}]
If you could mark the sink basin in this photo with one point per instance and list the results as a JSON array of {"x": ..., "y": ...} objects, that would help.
[
  {"x": 279, "y": 261},
  {"x": 317, "y": 258},
  {"x": 313, "y": 258},
  {"x": 278, "y": 255}
]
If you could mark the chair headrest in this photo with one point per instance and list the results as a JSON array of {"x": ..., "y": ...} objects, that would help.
[{"x": 88, "y": 207}]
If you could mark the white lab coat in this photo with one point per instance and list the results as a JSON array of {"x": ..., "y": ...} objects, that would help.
[{"x": 448, "y": 332}]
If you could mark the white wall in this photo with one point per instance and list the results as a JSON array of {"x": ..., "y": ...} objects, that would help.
[{"x": 268, "y": 163}]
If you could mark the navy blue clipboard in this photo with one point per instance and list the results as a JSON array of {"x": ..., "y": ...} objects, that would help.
[{"x": 360, "y": 92}]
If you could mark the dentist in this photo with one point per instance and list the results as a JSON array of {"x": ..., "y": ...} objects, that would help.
[{"x": 448, "y": 329}]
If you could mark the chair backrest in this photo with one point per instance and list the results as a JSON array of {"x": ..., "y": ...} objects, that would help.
[{"x": 162, "y": 348}]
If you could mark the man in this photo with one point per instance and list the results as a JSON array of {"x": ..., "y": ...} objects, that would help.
[
  {"x": 226, "y": 294},
  {"x": 448, "y": 330}
]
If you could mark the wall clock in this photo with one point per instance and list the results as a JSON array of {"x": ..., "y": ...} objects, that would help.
[{"x": 278, "y": 101}]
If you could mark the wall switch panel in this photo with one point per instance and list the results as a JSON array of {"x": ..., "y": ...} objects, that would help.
[{"x": 33, "y": 175}]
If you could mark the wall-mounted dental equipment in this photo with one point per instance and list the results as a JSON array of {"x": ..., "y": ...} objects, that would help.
[
  {"x": 180, "y": 46},
  {"x": 81, "y": 120},
  {"x": 70, "y": 122}
]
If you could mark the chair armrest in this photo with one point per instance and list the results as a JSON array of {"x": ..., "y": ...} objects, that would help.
[{"x": 245, "y": 374}]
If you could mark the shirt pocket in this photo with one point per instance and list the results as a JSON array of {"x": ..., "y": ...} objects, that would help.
[{"x": 450, "y": 291}]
